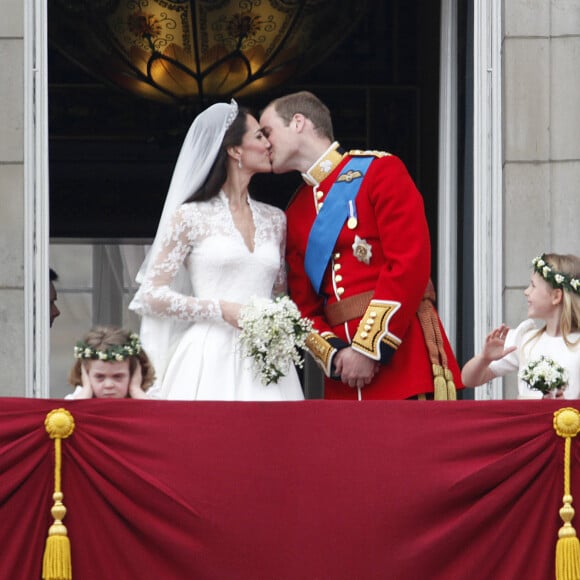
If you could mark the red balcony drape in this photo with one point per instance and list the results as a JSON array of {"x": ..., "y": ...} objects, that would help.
[{"x": 314, "y": 489}]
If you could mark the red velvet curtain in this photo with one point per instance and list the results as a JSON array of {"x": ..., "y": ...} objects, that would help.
[{"x": 314, "y": 489}]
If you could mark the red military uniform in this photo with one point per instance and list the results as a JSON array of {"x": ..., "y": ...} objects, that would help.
[{"x": 375, "y": 281}]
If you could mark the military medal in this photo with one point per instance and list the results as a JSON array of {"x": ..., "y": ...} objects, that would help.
[
  {"x": 352, "y": 221},
  {"x": 362, "y": 250}
]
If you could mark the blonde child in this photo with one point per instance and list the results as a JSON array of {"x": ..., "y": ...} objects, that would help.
[
  {"x": 553, "y": 297},
  {"x": 110, "y": 364}
]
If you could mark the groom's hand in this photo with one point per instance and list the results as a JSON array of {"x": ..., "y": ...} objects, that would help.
[{"x": 355, "y": 369}]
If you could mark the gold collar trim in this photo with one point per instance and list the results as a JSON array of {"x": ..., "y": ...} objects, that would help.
[{"x": 323, "y": 166}]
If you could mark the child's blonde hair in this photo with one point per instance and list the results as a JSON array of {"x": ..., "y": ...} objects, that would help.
[
  {"x": 107, "y": 339},
  {"x": 569, "y": 265}
]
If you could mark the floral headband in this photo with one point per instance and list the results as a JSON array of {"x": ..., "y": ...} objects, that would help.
[
  {"x": 556, "y": 279},
  {"x": 117, "y": 353}
]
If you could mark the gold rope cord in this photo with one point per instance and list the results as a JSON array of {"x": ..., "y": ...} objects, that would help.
[{"x": 444, "y": 386}]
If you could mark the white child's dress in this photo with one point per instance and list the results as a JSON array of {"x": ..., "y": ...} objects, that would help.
[
  {"x": 205, "y": 362},
  {"x": 552, "y": 346}
]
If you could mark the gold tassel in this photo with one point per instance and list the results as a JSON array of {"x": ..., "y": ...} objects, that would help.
[
  {"x": 439, "y": 384},
  {"x": 451, "y": 389},
  {"x": 56, "y": 564},
  {"x": 567, "y": 425}
]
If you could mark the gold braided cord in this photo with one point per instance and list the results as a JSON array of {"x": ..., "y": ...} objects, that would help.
[
  {"x": 567, "y": 446},
  {"x": 57, "y": 464},
  {"x": 443, "y": 384}
]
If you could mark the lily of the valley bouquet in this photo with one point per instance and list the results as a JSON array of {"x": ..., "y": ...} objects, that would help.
[
  {"x": 273, "y": 334},
  {"x": 544, "y": 375}
]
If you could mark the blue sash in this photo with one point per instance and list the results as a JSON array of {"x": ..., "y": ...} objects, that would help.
[{"x": 331, "y": 218}]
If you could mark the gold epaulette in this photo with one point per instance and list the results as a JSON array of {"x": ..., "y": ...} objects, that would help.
[{"x": 368, "y": 153}]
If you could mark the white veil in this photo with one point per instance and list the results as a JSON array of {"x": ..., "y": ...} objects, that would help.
[{"x": 198, "y": 153}]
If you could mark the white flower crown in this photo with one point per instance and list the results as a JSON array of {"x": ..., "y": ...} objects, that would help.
[
  {"x": 556, "y": 279},
  {"x": 117, "y": 353}
]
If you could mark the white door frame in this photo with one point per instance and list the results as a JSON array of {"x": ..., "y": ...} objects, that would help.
[
  {"x": 36, "y": 200},
  {"x": 447, "y": 194},
  {"x": 487, "y": 175},
  {"x": 488, "y": 215},
  {"x": 488, "y": 279}
]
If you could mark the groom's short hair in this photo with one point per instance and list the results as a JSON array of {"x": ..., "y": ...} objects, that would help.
[{"x": 310, "y": 106}]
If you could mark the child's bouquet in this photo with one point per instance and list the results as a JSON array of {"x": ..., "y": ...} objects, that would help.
[
  {"x": 544, "y": 374},
  {"x": 273, "y": 334}
]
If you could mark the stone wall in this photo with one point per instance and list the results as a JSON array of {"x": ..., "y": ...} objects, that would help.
[
  {"x": 541, "y": 121},
  {"x": 12, "y": 344}
]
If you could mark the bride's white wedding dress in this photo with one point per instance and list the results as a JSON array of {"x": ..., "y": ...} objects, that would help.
[{"x": 204, "y": 361}]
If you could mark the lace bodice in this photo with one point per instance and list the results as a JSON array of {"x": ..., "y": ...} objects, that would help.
[{"x": 202, "y": 237}]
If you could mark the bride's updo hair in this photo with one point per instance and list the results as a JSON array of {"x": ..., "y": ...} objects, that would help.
[{"x": 219, "y": 172}]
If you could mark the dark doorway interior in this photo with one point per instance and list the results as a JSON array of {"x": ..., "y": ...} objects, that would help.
[{"x": 112, "y": 154}]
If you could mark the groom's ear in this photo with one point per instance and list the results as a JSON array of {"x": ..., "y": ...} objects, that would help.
[{"x": 298, "y": 122}]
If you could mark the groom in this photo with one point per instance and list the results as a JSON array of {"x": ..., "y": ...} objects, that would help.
[{"x": 358, "y": 252}]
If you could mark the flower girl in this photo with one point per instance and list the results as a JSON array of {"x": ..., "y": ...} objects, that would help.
[
  {"x": 546, "y": 355},
  {"x": 110, "y": 363}
]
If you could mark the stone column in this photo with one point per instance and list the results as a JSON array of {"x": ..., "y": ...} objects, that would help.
[
  {"x": 541, "y": 120},
  {"x": 12, "y": 329}
]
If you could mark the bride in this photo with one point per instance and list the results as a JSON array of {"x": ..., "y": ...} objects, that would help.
[{"x": 215, "y": 249}]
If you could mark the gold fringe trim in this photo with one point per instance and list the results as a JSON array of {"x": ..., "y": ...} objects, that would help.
[
  {"x": 56, "y": 564},
  {"x": 439, "y": 383},
  {"x": 451, "y": 389},
  {"x": 567, "y": 425}
]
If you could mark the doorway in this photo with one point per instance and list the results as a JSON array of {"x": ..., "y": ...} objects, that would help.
[{"x": 111, "y": 155}]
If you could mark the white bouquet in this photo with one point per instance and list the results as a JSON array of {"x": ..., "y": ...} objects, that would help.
[
  {"x": 544, "y": 374},
  {"x": 273, "y": 332}
]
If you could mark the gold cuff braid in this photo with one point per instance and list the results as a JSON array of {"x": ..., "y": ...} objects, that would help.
[
  {"x": 374, "y": 328},
  {"x": 321, "y": 350}
]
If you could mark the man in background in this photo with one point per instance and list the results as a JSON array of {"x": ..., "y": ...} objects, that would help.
[{"x": 54, "y": 311}]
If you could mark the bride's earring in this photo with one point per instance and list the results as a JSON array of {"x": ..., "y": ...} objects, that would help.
[{"x": 240, "y": 163}]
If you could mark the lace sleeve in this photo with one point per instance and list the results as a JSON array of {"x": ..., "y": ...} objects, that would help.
[
  {"x": 158, "y": 295},
  {"x": 281, "y": 282}
]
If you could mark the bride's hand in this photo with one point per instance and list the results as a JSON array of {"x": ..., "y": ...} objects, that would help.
[{"x": 231, "y": 312}]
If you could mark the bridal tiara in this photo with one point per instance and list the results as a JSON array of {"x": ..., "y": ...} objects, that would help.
[{"x": 232, "y": 114}]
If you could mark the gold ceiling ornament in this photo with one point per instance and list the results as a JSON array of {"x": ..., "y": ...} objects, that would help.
[{"x": 181, "y": 51}]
